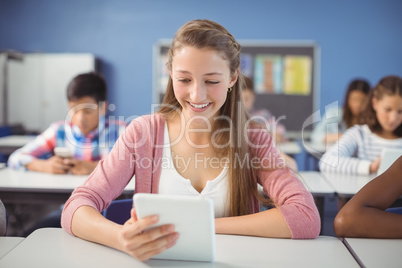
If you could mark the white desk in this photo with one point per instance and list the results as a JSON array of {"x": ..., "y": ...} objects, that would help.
[
  {"x": 9, "y": 144},
  {"x": 7, "y": 243},
  {"x": 318, "y": 186},
  {"x": 347, "y": 185},
  {"x": 289, "y": 147},
  {"x": 58, "y": 249},
  {"x": 376, "y": 252},
  {"x": 19, "y": 186},
  {"x": 316, "y": 183},
  {"x": 15, "y": 140}
]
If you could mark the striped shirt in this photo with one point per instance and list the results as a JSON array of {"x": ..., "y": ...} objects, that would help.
[
  {"x": 91, "y": 147},
  {"x": 355, "y": 151}
]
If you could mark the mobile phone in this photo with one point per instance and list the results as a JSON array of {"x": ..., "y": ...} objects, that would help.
[{"x": 63, "y": 152}]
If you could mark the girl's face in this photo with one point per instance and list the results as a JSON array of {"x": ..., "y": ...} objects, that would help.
[
  {"x": 355, "y": 101},
  {"x": 201, "y": 78},
  {"x": 389, "y": 112}
]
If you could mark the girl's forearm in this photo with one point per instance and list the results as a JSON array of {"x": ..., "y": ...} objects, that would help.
[
  {"x": 269, "y": 223},
  {"x": 368, "y": 222},
  {"x": 89, "y": 224}
]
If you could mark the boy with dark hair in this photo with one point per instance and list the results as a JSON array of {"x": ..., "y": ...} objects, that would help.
[{"x": 85, "y": 132}]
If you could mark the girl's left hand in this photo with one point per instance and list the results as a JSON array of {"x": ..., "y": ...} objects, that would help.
[{"x": 375, "y": 165}]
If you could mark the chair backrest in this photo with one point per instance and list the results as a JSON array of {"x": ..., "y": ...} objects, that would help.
[
  {"x": 396, "y": 210},
  {"x": 119, "y": 210},
  {"x": 3, "y": 219}
]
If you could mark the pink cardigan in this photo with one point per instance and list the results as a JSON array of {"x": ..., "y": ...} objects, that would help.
[{"x": 139, "y": 151}]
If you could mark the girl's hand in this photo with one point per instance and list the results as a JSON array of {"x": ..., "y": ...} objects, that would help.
[
  {"x": 142, "y": 244},
  {"x": 375, "y": 165}
]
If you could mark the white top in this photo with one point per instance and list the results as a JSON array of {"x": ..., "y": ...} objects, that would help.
[
  {"x": 355, "y": 151},
  {"x": 171, "y": 182}
]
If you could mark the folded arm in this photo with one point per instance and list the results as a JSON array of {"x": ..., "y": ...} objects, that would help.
[{"x": 365, "y": 216}]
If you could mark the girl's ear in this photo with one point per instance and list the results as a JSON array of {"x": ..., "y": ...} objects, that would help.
[
  {"x": 234, "y": 78},
  {"x": 374, "y": 103}
]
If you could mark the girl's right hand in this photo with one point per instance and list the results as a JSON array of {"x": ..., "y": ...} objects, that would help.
[
  {"x": 142, "y": 244},
  {"x": 375, "y": 165}
]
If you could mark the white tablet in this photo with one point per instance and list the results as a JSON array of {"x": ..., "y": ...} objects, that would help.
[
  {"x": 193, "y": 218},
  {"x": 388, "y": 157}
]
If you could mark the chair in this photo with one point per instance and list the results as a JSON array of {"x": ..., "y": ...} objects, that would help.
[
  {"x": 119, "y": 210},
  {"x": 3, "y": 219},
  {"x": 396, "y": 210}
]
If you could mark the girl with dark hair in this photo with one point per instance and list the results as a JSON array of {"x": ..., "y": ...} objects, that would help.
[{"x": 336, "y": 120}]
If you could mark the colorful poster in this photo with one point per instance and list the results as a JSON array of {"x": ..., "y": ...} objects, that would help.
[
  {"x": 268, "y": 73},
  {"x": 297, "y": 75}
]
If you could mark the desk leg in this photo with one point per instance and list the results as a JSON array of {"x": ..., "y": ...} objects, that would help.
[{"x": 320, "y": 202}]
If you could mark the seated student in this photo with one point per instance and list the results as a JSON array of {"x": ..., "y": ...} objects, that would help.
[
  {"x": 265, "y": 117},
  {"x": 248, "y": 95},
  {"x": 336, "y": 120},
  {"x": 365, "y": 216},
  {"x": 89, "y": 135},
  {"x": 199, "y": 124},
  {"x": 358, "y": 150}
]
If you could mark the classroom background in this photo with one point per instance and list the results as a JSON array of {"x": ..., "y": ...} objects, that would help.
[{"x": 359, "y": 38}]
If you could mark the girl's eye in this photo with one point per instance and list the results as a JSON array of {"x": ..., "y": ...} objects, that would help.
[
  {"x": 184, "y": 80},
  {"x": 212, "y": 82}
]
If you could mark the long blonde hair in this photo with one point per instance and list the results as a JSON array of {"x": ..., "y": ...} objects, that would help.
[{"x": 242, "y": 179}]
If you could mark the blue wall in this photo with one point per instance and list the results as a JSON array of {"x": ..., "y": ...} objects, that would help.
[{"x": 357, "y": 37}]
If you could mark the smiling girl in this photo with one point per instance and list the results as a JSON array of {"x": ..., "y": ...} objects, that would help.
[
  {"x": 212, "y": 151},
  {"x": 359, "y": 149}
]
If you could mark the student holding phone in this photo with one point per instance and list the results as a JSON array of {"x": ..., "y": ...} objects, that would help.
[
  {"x": 358, "y": 150},
  {"x": 200, "y": 142},
  {"x": 81, "y": 141},
  {"x": 72, "y": 146}
]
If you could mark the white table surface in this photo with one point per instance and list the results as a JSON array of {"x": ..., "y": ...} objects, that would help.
[
  {"x": 317, "y": 148},
  {"x": 7, "y": 243},
  {"x": 347, "y": 185},
  {"x": 31, "y": 181},
  {"x": 316, "y": 183},
  {"x": 377, "y": 252},
  {"x": 15, "y": 140},
  {"x": 28, "y": 187},
  {"x": 289, "y": 147},
  {"x": 59, "y": 249}
]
